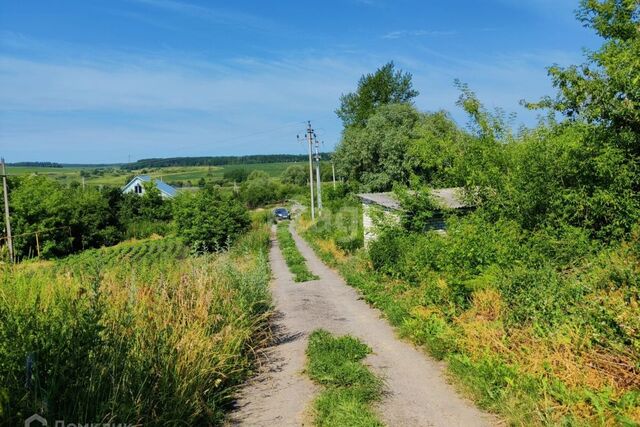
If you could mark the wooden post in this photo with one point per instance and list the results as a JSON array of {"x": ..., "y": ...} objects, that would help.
[
  {"x": 7, "y": 219},
  {"x": 37, "y": 244}
]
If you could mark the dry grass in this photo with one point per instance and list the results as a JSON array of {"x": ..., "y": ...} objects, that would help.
[{"x": 163, "y": 342}]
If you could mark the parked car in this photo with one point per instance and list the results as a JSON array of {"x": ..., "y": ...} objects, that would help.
[{"x": 281, "y": 213}]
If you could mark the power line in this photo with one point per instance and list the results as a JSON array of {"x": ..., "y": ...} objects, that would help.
[{"x": 310, "y": 136}]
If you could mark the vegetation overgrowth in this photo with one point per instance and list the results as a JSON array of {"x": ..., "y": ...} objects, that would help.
[
  {"x": 350, "y": 388},
  {"x": 532, "y": 296},
  {"x": 294, "y": 259},
  {"x": 69, "y": 218},
  {"x": 139, "y": 333}
]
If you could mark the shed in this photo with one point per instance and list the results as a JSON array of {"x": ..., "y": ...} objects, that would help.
[
  {"x": 446, "y": 198},
  {"x": 136, "y": 186}
]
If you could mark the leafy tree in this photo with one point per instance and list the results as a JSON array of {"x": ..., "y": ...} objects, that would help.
[
  {"x": 434, "y": 155},
  {"x": 295, "y": 174},
  {"x": 376, "y": 154},
  {"x": 260, "y": 190},
  {"x": 236, "y": 175},
  {"x": 606, "y": 89},
  {"x": 210, "y": 220},
  {"x": 257, "y": 174},
  {"x": 66, "y": 219},
  {"x": 386, "y": 86},
  {"x": 152, "y": 205}
]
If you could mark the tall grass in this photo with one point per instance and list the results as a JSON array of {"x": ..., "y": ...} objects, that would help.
[
  {"x": 137, "y": 333},
  {"x": 540, "y": 327}
]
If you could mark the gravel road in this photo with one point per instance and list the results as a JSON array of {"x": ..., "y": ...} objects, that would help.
[{"x": 280, "y": 395}]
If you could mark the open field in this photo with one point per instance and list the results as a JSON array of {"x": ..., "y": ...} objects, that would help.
[{"x": 115, "y": 176}]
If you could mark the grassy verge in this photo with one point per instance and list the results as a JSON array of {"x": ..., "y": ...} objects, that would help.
[
  {"x": 138, "y": 333},
  {"x": 295, "y": 261},
  {"x": 350, "y": 388},
  {"x": 508, "y": 341}
]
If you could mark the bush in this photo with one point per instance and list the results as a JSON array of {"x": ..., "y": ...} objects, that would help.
[
  {"x": 210, "y": 220},
  {"x": 236, "y": 175}
]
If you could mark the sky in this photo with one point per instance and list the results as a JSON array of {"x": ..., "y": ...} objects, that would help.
[{"x": 108, "y": 81}]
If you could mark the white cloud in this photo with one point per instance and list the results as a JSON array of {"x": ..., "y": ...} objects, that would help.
[
  {"x": 214, "y": 15},
  {"x": 417, "y": 33},
  {"x": 103, "y": 106}
]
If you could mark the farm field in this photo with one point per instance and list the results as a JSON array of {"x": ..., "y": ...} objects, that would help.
[{"x": 115, "y": 176}]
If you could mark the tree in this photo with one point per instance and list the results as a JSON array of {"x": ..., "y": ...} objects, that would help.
[
  {"x": 236, "y": 175},
  {"x": 209, "y": 220},
  {"x": 434, "y": 155},
  {"x": 152, "y": 205},
  {"x": 260, "y": 189},
  {"x": 375, "y": 155},
  {"x": 606, "y": 89},
  {"x": 295, "y": 174},
  {"x": 66, "y": 219},
  {"x": 385, "y": 86}
]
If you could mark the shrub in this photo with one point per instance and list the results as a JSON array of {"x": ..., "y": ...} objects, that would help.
[{"x": 210, "y": 220}]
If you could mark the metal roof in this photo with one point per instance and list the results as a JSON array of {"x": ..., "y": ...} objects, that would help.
[
  {"x": 161, "y": 185},
  {"x": 447, "y": 198}
]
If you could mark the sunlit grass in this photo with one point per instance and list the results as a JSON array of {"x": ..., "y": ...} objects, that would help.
[
  {"x": 137, "y": 333},
  {"x": 350, "y": 388},
  {"x": 294, "y": 259}
]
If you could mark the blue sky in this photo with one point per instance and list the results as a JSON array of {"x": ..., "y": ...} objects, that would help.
[{"x": 97, "y": 81}]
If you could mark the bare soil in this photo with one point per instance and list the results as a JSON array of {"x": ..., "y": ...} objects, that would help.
[{"x": 416, "y": 392}]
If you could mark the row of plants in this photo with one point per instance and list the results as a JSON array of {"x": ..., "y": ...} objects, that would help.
[{"x": 140, "y": 333}]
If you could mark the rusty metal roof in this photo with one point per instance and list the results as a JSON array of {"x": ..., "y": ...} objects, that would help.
[{"x": 447, "y": 198}]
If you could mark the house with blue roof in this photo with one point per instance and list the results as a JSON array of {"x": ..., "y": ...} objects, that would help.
[{"x": 136, "y": 186}]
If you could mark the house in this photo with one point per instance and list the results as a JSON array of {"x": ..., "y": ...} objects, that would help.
[
  {"x": 388, "y": 204},
  {"x": 136, "y": 186}
]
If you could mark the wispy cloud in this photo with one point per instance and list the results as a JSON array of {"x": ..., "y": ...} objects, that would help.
[
  {"x": 417, "y": 33},
  {"x": 105, "y": 105},
  {"x": 215, "y": 15}
]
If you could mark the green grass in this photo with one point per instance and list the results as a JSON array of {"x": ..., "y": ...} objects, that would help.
[
  {"x": 350, "y": 388},
  {"x": 526, "y": 371},
  {"x": 295, "y": 261},
  {"x": 115, "y": 176},
  {"x": 139, "y": 333}
]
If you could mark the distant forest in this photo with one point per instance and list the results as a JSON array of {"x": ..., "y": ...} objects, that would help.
[
  {"x": 219, "y": 160},
  {"x": 37, "y": 164}
]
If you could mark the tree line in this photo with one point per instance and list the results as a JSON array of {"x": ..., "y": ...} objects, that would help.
[{"x": 217, "y": 160}]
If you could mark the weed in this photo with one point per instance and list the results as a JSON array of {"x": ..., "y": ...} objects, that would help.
[
  {"x": 295, "y": 261},
  {"x": 350, "y": 387}
]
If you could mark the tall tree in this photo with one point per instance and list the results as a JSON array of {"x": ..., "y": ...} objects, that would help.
[
  {"x": 375, "y": 155},
  {"x": 386, "y": 86},
  {"x": 606, "y": 89}
]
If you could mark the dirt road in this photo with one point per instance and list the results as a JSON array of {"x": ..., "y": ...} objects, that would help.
[{"x": 416, "y": 392}]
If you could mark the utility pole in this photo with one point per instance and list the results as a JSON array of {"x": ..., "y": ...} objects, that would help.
[
  {"x": 333, "y": 171},
  {"x": 310, "y": 142},
  {"x": 5, "y": 190},
  {"x": 318, "y": 180}
]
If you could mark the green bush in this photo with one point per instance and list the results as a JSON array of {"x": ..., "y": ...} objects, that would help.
[{"x": 209, "y": 220}]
